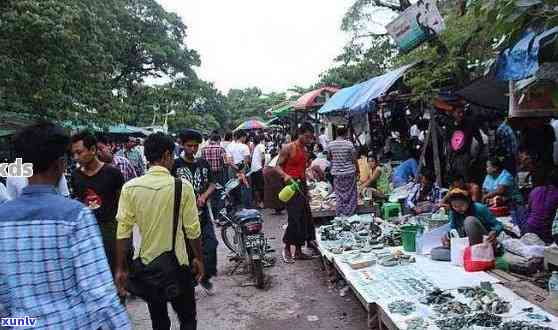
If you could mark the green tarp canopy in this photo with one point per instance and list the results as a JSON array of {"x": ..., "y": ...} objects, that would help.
[
  {"x": 283, "y": 110},
  {"x": 79, "y": 127},
  {"x": 126, "y": 129}
]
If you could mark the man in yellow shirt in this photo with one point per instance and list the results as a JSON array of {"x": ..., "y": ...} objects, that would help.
[{"x": 148, "y": 201}]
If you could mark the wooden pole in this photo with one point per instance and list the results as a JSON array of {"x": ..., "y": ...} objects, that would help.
[
  {"x": 423, "y": 154},
  {"x": 437, "y": 166}
]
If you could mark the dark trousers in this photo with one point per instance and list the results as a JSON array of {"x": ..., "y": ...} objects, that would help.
[
  {"x": 108, "y": 233},
  {"x": 300, "y": 227},
  {"x": 209, "y": 245},
  {"x": 184, "y": 306}
]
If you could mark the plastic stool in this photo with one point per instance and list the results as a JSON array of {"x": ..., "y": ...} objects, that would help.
[{"x": 390, "y": 210}]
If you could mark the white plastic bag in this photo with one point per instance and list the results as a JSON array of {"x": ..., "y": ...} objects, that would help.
[{"x": 458, "y": 246}]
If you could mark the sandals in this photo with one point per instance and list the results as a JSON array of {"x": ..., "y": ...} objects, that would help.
[{"x": 287, "y": 259}]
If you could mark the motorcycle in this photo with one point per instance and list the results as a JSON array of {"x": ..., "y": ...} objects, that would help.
[{"x": 241, "y": 231}]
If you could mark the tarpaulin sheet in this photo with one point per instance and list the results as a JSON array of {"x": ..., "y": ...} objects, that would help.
[
  {"x": 522, "y": 60},
  {"x": 310, "y": 100},
  {"x": 374, "y": 88},
  {"x": 359, "y": 99},
  {"x": 341, "y": 100}
]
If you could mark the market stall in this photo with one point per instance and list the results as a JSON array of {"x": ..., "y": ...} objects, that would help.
[
  {"x": 403, "y": 290},
  {"x": 323, "y": 202}
]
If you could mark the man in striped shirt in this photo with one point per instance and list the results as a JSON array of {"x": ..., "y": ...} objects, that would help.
[
  {"x": 344, "y": 168},
  {"x": 54, "y": 270}
]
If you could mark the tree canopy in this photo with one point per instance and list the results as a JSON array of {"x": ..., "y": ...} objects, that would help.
[
  {"x": 95, "y": 61},
  {"x": 475, "y": 32},
  {"x": 88, "y": 60}
]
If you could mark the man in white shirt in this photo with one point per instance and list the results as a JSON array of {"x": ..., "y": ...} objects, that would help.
[
  {"x": 240, "y": 153},
  {"x": 14, "y": 186},
  {"x": 258, "y": 161},
  {"x": 323, "y": 139}
]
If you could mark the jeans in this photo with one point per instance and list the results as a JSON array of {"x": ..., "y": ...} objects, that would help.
[{"x": 184, "y": 306}]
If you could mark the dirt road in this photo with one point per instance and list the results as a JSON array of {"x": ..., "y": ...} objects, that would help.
[{"x": 299, "y": 296}]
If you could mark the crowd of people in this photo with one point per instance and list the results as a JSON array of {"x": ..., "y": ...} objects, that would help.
[{"x": 96, "y": 217}]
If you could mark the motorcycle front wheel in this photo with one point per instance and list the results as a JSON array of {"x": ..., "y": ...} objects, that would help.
[{"x": 228, "y": 235}]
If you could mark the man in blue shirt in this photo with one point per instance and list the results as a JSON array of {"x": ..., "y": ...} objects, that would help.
[
  {"x": 506, "y": 145},
  {"x": 406, "y": 172},
  {"x": 54, "y": 269}
]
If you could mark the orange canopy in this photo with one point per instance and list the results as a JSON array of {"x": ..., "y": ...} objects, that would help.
[{"x": 314, "y": 98}]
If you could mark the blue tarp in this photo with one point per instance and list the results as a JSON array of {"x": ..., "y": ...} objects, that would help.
[
  {"x": 374, "y": 88},
  {"x": 522, "y": 60},
  {"x": 359, "y": 98},
  {"x": 341, "y": 100}
]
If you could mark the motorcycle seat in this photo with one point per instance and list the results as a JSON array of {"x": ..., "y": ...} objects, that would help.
[{"x": 246, "y": 215}]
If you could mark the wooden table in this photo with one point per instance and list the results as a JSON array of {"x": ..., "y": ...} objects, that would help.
[
  {"x": 378, "y": 318},
  {"x": 361, "y": 209}
]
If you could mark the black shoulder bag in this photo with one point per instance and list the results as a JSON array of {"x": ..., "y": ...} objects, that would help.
[{"x": 163, "y": 277}]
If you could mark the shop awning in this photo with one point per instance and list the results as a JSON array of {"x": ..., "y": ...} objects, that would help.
[
  {"x": 487, "y": 93},
  {"x": 341, "y": 100},
  {"x": 126, "y": 129},
  {"x": 360, "y": 98},
  {"x": 314, "y": 98},
  {"x": 374, "y": 88},
  {"x": 282, "y": 110}
]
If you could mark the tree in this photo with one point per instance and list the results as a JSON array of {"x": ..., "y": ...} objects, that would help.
[
  {"x": 150, "y": 44},
  {"x": 52, "y": 57},
  {"x": 356, "y": 64},
  {"x": 81, "y": 59},
  {"x": 475, "y": 32},
  {"x": 242, "y": 104}
]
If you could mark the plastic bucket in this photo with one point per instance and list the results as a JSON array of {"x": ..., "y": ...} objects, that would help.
[{"x": 408, "y": 237}]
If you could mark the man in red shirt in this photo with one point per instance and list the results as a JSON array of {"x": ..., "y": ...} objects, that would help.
[{"x": 291, "y": 166}]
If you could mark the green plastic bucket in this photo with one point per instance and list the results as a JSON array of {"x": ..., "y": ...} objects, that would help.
[{"x": 408, "y": 237}]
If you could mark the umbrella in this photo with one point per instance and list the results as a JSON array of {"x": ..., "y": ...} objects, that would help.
[
  {"x": 250, "y": 124},
  {"x": 487, "y": 93}
]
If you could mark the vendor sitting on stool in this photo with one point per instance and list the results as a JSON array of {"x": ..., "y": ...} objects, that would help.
[
  {"x": 424, "y": 195},
  {"x": 470, "y": 219},
  {"x": 499, "y": 185},
  {"x": 373, "y": 180}
]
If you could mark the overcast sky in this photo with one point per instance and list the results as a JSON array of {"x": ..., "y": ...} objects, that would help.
[{"x": 271, "y": 44}]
